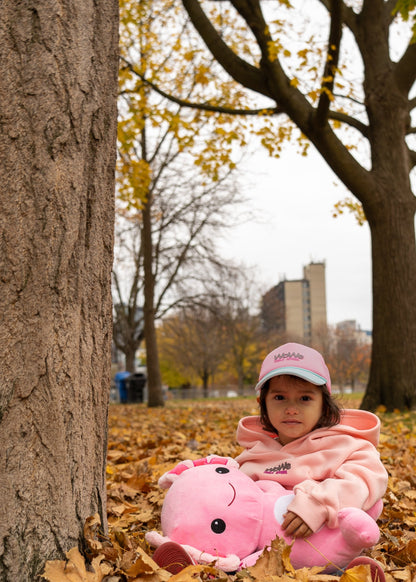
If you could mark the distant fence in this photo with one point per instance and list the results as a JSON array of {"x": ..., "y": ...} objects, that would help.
[
  {"x": 192, "y": 393},
  {"x": 198, "y": 392},
  {"x": 230, "y": 391}
]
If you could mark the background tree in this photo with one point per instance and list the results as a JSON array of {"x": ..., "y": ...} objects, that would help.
[
  {"x": 228, "y": 312},
  {"x": 324, "y": 94},
  {"x": 174, "y": 173},
  {"x": 58, "y": 89},
  {"x": 235, "y": 304},
  {"x": 128, "y": 330},
  {"x": 195, "y": 341},
  {"x": 272, "y": 314},
  {"x": 128, "y": 324},
  {"x": 348, "y": 359}
]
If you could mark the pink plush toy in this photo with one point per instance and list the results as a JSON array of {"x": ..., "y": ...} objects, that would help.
[{"x": 218, "y": 514}]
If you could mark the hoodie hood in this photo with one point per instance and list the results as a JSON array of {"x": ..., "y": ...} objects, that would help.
[{"x": 360, "y": 424}]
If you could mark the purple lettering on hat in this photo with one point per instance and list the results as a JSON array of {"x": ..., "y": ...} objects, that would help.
[{"x": 288, "y": 356}]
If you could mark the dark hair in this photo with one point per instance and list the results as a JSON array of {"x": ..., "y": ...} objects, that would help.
[{"x": 331, "y": 413}]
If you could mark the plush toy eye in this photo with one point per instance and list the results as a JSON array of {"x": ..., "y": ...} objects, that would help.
[
  {"x": 222, "y": 470},
  {"x": 218, "y": 526}
]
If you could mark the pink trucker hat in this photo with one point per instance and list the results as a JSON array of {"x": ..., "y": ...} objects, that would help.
[{"x": 296, "y": 360}]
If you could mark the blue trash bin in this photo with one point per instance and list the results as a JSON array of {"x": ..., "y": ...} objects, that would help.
[{"x": 120, "y": 380}]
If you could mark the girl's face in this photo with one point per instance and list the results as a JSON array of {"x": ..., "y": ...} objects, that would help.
[{"x": 294, "y": 406}]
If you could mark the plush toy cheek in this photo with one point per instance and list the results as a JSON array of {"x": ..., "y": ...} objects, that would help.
[
  {"x": 243, "y": 524},
  {"x": 219, "y": 531}
]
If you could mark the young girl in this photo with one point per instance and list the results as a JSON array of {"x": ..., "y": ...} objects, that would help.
[
  {"x": 302, "y": 440},
  {"x": 305, "y": 442}
]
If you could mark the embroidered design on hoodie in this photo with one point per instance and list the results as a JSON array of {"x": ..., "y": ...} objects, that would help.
[{"x": 281, "y": 469}]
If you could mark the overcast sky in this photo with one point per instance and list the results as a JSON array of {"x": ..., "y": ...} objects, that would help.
[{"x": 294, "y": 196}]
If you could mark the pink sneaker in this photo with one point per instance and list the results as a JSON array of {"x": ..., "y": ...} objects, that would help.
[
  {"x": 377, "y": 572},
  {"x": 172, "y": 557}
]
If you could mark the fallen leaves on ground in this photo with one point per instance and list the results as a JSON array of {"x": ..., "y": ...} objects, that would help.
[
  {"x": 144, "y": 443},
  {"x": 75, "y": 569}
]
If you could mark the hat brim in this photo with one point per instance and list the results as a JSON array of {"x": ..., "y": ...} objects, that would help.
[{"x": 312, "y": 377}]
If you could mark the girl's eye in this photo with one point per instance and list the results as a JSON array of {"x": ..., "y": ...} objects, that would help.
[
  {"x": 306, "y": 398},
  {"x": 279, "y": 397}
]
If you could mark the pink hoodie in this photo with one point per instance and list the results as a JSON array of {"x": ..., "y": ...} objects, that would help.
[{"x": 328, "y": 469}]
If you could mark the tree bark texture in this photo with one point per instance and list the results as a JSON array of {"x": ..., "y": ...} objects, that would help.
[{"x": 58, "y": 90}]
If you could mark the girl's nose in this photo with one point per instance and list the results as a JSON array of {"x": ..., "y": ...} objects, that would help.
[{"x": 291, "y": 409}]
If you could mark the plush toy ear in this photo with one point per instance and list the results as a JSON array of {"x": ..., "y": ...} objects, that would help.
[{"x": 166, "y": 480}]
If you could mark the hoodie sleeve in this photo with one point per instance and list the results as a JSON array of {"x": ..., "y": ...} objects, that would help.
[{"x": 360, "y": 481}]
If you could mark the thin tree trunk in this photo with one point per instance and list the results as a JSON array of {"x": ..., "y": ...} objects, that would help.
[
  {"x": 205, "y": 379},
  {"x": 154, "y": 381},
  {"x": 130, "y": 360},
  {"x": 58, "y": 90}
]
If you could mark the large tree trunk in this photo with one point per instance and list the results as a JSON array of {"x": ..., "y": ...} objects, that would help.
[
  {"x": 58, "y": 88},
  {"x": 392, "y": 379},
  {"x": 390, "y": 210}
]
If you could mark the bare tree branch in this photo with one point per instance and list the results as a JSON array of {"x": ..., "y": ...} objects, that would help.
[{"x": 201, "y": 106}]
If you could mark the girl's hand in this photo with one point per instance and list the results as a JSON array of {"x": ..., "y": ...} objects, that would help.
[{"x": 295, "y": 527}]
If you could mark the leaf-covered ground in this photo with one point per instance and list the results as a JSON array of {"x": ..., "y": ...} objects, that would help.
[{"x": 144, "y": 443}]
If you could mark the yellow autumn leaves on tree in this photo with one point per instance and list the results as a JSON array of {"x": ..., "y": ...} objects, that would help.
[
  {"x": 161, "y": 55},
  {"x": 159, "y": 50}
]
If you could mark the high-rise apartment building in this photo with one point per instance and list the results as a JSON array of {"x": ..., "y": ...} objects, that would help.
[{"x": 297, "y": 308}]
